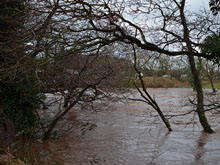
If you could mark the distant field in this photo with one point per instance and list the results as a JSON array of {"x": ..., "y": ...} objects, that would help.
[{"x": 164, "y": 82}]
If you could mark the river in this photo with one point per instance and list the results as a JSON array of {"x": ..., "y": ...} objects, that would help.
[{"x": 131, "y": 134}]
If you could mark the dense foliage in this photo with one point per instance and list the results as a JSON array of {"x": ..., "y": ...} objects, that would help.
[
  {"x": 18, "y": 85},
  {"x": 215, "y": 6},
  {"x": 19, "y": 102},
  {"x": 211, "y": 46}
]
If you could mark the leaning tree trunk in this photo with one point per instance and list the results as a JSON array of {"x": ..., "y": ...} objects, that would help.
[
  {"x": 150, "y": 101},
  {"x": 200, "y": 104},
  {"x": 64, "y": 112},
  {"x": 146, "y": 96}
]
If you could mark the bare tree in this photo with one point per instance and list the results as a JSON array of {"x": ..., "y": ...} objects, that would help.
[
  {"x": 63, "y": 28},
  {"x": 169, "y": 28},
  {"x": 146, "y": 96},
  {"x": 80, "y": 79}
]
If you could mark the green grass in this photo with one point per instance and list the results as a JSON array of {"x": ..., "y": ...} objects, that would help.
[
  {"x": 207, "y": 85},
  {"x": 166, "y": 82},
  {"x": 130, "y": 83}
]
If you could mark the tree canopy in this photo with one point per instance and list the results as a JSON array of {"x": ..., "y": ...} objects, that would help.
[{"x": 211, "y": 46}]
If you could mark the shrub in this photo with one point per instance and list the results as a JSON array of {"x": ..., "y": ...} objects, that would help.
[{"x": 19, "y": 102}]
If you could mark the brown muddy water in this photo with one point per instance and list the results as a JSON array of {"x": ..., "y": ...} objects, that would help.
[{"x": 132, "y": 134}]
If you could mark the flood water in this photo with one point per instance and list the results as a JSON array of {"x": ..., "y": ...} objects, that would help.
[{"x": 132, "y": 134}]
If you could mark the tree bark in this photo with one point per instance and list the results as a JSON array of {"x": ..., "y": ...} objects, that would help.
[
  {"x": 195, "y": 73},
  {"x": 212, "y": 83},
  {"x": 164, "y": 119},
  {"x": 199, "y": 95}
]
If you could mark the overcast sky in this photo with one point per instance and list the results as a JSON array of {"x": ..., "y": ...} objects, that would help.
[{"x": 197, "y": 4}]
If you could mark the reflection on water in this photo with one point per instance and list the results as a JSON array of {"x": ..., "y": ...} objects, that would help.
[
  {"x": 200, "y": 150},
  {"x": 131, "y": 135}
]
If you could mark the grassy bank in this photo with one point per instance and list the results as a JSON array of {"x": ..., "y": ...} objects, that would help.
[
  {"x": 206, "y": 84},
  {"x": 167, "y": 82},
  {"x": 162, "y": 82}
]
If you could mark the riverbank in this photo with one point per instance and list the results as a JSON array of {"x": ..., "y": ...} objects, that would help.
[{"x": 170, "y": 82}]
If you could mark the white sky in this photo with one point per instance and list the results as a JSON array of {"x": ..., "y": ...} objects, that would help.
[{"x": 198, "y": 4}]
